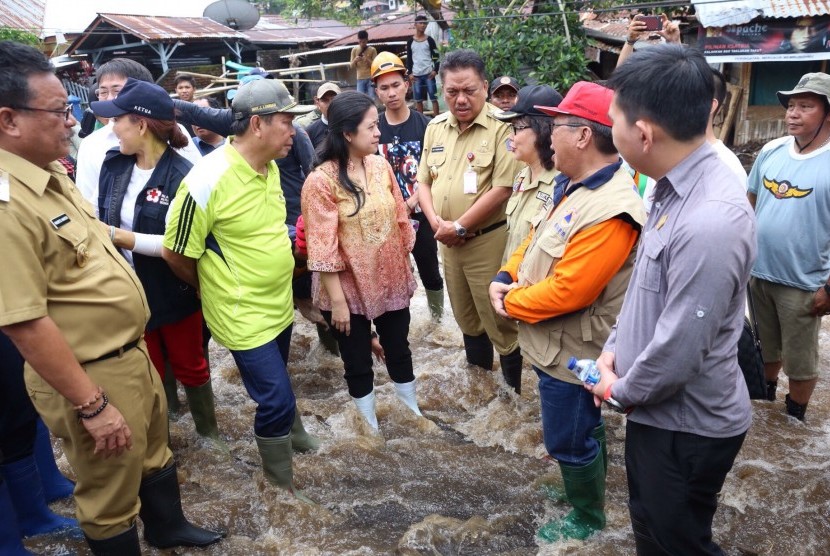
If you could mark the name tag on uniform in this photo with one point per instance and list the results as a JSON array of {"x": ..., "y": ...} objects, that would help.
[
  {"x": 4, "y": 186},
  {"x": 470, "y": 182},
  {"x": 60, "y": 221},
  {"x": 438, "y": 149},
  {"x": 542, "y": 196}
]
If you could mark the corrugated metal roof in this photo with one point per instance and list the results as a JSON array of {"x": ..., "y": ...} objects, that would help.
[
  {"x": 157, "y": 28},
  {"x": 23, "y": 14},
  {"x": 797, "y": 8},
  {"x": 273, "y": 29},
  {"x": 613, "y": 30},
  {"x": 720, "y": 13},
  {"x": 397, "y": 29}
]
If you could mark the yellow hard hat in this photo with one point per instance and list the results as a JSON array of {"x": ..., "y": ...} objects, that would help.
[{"x": 386, "y": 62}]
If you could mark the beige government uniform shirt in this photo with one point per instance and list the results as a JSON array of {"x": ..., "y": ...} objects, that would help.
[
  {"x": 61, "y": 263},
  {"x": 529, "y": 197},
  {"x": 449, "y": 153}
]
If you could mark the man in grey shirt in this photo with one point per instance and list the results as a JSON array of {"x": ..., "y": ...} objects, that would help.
[{"x": 672, "y": 357}]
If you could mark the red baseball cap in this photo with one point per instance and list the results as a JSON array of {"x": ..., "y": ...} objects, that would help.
[{"x": 585, "y": 100}]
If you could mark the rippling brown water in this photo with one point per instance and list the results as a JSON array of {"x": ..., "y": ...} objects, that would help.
[{"x": 464, "y": 479}]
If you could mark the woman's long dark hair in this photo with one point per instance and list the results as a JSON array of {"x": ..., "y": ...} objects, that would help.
[{"x": 346, "y": 112}]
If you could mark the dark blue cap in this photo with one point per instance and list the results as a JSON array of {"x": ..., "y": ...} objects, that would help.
[{"x": 137, "y": 97}]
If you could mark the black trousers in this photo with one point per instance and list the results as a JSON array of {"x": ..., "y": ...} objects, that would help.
[
  {"x": 356, "y": 349},
  {"x": 673, "y": 483},
  {"x": 18, "y": 418},
  {"x": 425, "y": 252}
]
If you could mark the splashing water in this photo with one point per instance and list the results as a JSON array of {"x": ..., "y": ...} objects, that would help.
[{"x": 465, "y": 479}]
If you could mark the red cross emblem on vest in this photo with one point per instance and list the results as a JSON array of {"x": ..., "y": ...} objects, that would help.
[{"x": 153, "y": 195}]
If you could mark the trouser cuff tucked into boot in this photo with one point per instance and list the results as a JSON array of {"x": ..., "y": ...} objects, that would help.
[
  {"x": 366, "y": 407},
  {"x": 277, "y": 463},
  {"x": 406, "y": 393},
  {"x": 585, "y": 490}
]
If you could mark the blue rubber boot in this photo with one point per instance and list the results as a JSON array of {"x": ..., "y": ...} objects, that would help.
[
  {"x": 33, "y": 515},
  {"x": 10, "y": 544},
  {"x": 55, "y": 485}
]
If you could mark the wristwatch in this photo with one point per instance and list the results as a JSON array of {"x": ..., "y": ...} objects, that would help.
[{"x": 460, "y": 230}]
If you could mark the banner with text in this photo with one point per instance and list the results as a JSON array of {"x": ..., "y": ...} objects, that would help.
[{"x": 768, "y": 40}]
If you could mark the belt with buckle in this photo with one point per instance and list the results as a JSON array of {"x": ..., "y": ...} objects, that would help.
[
  {"x": 116, "y": 352},
  {"x": 483, "y": 231}
]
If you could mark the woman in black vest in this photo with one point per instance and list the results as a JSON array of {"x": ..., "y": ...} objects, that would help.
[{"x": 138, "y": 181}]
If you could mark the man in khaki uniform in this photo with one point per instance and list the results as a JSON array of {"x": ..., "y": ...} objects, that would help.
[
  {"x": 465, "y": 177},
  {"x": 76, "y": 311}
]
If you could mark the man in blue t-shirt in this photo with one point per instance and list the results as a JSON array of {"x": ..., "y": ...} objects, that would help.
[
  {"x": 401, "y": 138},
  {"x": 790, "y": 189}
]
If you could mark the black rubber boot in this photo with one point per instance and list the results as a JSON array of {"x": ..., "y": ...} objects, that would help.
[
  {"x": 772, "y": 386},
  {"x": 511, "y": 369},
  {"x": 479, "y": 351},
  {"x": 161, "y": 511},
  {"x": 124, "y": 544},
  {"x": 794, "y": 409}
]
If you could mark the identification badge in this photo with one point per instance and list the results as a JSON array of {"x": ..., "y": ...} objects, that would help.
[
  {"x": 4, "y": 186},
  {"x": 470, "y": 182}
]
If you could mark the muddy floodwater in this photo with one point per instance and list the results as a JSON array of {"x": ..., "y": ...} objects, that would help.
[{"x": 466, "y": 478}]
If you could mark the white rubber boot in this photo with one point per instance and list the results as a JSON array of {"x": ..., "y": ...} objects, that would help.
[
  {"x": 366, "y": 406},
  {"x": 406, "y": 393}
]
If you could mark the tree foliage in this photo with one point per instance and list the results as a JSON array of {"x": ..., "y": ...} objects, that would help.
[
  {"x": 522, "y": 40},
  {"x": 18, "y": 35},
  {"x": 307, "y": 9}
]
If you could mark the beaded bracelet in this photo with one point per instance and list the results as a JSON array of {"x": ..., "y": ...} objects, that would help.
[
  {"x": 97, "y": 397},
  {"x": 97, "y": 411},
  {"x": 112, "y": 233}
]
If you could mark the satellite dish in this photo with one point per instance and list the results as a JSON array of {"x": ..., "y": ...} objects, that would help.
[{"x": 239, "y": 15}]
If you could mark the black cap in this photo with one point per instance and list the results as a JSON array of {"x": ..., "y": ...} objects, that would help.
[
  {"x": 503, "y": 81},
  {"x": 529, "y": 98}
]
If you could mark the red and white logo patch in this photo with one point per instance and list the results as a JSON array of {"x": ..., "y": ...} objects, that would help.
[{"x": 153, "y": 195}]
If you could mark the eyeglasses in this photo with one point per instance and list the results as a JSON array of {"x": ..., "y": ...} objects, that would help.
[
  {"x": 567, "y": 125},
  {"x": 517, "y": 128},
  {"x": 452, "y": 93},
  {"x": 66, "y": 112},
  {"x": 106, "y": 93}
]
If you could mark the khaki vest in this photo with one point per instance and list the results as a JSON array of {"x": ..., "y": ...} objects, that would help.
[{"x": 581, "y": 334}]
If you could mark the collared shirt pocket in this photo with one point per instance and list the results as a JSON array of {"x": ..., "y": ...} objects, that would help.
[
  {"x": 76, "y": 254},
  {"x": 482, "y": 159},
  {"x": 650, "y": 275}
]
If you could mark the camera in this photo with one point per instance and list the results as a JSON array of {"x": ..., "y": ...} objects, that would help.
[{"x": 653, "y": 22}]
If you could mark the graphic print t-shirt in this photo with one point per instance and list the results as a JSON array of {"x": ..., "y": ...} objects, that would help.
[{"x": 401, "y": 145}]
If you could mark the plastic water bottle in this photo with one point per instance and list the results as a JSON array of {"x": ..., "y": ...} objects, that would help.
[{"x": 584, "y": 369}]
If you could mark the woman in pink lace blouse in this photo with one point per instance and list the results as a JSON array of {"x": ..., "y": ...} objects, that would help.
[{"x": 359, "y": 238}]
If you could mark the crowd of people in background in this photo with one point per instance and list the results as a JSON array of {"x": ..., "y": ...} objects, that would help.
[{"x": 567, "y": 224}]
